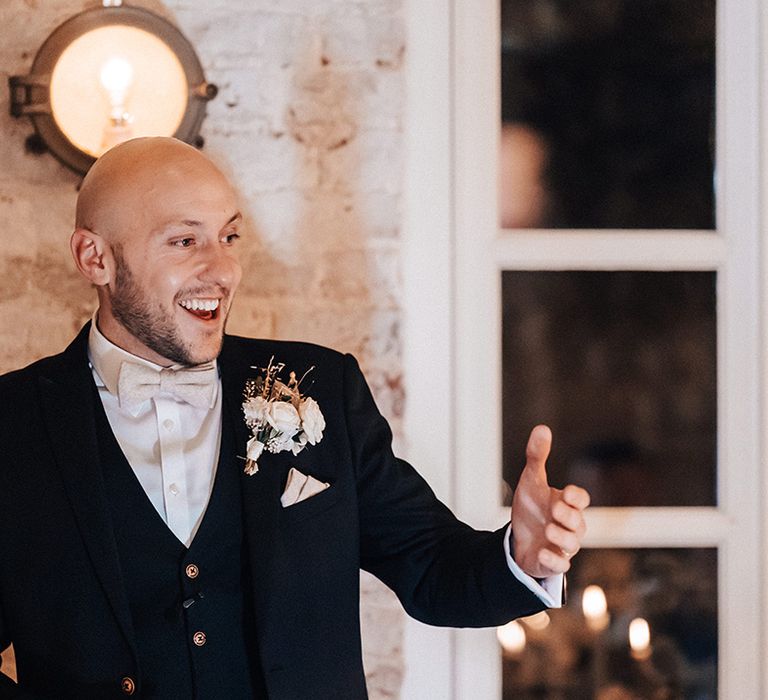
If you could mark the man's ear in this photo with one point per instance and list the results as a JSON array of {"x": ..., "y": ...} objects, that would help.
[{"x": 91, "y": 254}]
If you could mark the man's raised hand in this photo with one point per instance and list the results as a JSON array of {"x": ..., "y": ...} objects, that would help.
[{"x": 547, "y": 523}]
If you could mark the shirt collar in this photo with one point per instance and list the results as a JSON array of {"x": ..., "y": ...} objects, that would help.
[{"x": 106, "y": 358}]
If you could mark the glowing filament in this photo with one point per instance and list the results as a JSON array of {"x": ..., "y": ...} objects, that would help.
[{"x": 116, "y": 77}]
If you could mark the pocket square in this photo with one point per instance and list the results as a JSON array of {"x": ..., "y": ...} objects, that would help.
[{"x": 299, "y": 487}]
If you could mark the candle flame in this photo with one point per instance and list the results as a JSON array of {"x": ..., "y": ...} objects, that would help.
[
  {"x": 595, "y": 607},
  {"x": 512, "y": 637},
  {"x": 640, "y": 638}
]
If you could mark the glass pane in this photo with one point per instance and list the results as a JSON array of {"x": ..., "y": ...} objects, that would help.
[
  {"x": 608, "y": 111},
  {"x": 622, "y": 367},
  {"x": 655, "y": 636}
]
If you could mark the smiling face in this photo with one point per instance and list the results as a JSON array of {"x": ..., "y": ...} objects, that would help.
[{"x": 168, "y": 224}]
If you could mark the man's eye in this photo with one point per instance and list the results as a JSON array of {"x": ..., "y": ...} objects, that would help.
[
  {"x": 231, "y": 237},
  {"x": 183, "y": 242}
]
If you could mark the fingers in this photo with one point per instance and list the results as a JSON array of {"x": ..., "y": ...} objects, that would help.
[
  {"x": 562, "y": 545},
  {"x": 554, "y": 563},
  {"x": 570, "y": 518},
  {"x": 565, "y": 532},
  {"x": 562, "y": 541},
  {"x": 537, "y": 450},
  {"x": 576, "y": 497}
]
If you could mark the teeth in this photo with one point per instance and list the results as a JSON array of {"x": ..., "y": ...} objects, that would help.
[{"x": 200, "y": 304}]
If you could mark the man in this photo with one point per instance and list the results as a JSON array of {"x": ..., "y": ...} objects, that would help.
[{"x": 138, "y": 557}]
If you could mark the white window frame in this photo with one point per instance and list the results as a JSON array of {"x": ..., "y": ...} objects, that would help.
[{"x": 453, "y": 254}]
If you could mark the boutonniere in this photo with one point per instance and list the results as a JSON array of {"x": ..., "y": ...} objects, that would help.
[{"x": 279, "y": 416}]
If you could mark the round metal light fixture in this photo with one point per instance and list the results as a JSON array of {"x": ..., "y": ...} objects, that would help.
[{"x": 107, "y": 75}]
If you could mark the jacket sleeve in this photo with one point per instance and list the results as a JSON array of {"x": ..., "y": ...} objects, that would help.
[
  {"x": 443, "y": 571},
  {"x": 9, "y": 690}
]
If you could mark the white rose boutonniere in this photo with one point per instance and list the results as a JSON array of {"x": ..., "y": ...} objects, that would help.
[
  {"x": 284, "y": 418},
  {"x": 312, "y": 420},
  {"x": 279, "y": 416},
  {"x": 255, "y": 409}
]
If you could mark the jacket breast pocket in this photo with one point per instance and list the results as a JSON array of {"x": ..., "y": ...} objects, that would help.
[{"x": 312, "y": 506}]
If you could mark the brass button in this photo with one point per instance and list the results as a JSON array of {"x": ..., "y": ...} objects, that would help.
[
  {"x": 128, "y": 686},
  {"x": 198, "y": 638},
  {"x": 192, "y": 571}
]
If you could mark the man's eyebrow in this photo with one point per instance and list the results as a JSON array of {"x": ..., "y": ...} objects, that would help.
[
  {"x": 192, "y": 222},
  {"x": 237, "y": 216}
]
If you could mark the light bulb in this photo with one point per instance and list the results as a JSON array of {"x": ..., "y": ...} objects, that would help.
[
  {"x": 512, "y": 637},
  {"x": 116, "y": 77}
]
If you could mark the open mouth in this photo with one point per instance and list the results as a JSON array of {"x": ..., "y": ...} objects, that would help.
[{"x": 204, "y": 309}]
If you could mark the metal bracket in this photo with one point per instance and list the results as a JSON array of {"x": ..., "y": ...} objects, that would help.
[
  {"x": 29, "y": 94},
  {"x": 205, "y": 91}
]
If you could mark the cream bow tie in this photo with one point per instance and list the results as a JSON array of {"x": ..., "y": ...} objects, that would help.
[{"x": 138, "y": 383}]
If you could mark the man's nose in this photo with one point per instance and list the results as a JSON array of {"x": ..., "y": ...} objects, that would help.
[{"x": 220, "y": 265}]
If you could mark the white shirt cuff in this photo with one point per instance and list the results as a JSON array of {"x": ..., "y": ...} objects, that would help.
[{"x": 549, "y": 590}]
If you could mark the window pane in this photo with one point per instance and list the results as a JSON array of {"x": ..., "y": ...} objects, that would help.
[
  {"x": 573, "y": 653},
  {"x": 608, "y": 110},
  {"x": 622, "y": 367}
]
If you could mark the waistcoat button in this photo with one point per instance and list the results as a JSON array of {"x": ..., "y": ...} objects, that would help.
[
  {"x": 192, "y": 571},
  {"x": 127, "y": 685},
  {"x": 198, "y": 638}
]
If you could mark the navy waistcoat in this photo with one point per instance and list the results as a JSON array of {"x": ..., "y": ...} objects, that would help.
[{"x": 190, "y": 607}]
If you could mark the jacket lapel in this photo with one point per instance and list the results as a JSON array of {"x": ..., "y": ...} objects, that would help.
[
  {"x": 68, "y": 400},
  {"x": 260, "y": 492}
]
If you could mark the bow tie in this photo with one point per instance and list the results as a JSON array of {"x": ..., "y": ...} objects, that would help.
[{"x": 138, "y": 383}]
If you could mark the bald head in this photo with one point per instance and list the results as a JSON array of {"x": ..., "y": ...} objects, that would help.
[
  {"x": 120, "y": 185},
  {"x": 157, "y": 225}
]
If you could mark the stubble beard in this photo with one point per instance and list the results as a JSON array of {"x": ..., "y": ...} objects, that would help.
[{"x": 147, "y": 322}]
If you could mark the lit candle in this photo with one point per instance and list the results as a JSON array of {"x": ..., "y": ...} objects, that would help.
[
  {"x": 595, "y": 608},
  {"x": 640, "y": 638},
  {"x": 512, "y": 637}
]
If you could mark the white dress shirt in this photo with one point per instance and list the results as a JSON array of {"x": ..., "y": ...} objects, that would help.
[{"x": 172, "y": 447}]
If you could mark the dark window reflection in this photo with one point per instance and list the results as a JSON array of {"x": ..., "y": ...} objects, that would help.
[
  {"x": 608, "y": 113},
  {"x": 622, "y": 367},
  {"x": 577, "y": 653}
]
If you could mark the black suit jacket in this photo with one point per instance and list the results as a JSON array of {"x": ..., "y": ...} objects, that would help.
[{"x": 62, "y": 600}]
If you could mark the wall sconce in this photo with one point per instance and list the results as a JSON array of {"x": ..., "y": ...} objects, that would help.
[{"x": 107, "y": 75}]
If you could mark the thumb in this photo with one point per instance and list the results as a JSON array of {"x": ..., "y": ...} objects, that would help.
[{"x": 537, "y": 451}]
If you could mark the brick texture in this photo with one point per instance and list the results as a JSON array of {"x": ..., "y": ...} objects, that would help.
[{"x": 308, "y": 125}]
